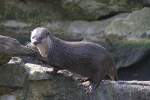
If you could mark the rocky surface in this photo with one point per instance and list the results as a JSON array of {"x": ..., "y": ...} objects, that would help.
[
  {"x": 134, "y": 25},
  {"x": 30, "y": 81},
  {"x": 121, "y": 26},
  {"x": 65, "y": 9},
  {"x": 80, "y": 29},
  {"x": 129, "y": 52},
  {"x": 16, "y": 74},
  {"x": 16, "y": 29},
  {"x": 99, "y": 31},
  {"x": 69, "y": 30},
  {"x": 133, "y": 31},
  {"x": 10, "y": 47}
]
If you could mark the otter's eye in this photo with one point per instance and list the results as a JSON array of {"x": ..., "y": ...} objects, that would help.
[
  {"x": 47, "y": 33},
  {"x": 33, "y": 37}
]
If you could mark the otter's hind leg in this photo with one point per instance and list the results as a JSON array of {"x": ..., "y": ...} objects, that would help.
[{"x": 97, "y": 78}]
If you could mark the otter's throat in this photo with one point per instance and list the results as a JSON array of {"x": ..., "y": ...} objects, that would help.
[
  {"x": 44, "y": 47},
  {"x": 43, "y": 50}
]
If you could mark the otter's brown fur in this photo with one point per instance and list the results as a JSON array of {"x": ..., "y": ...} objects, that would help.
[{"x": 86, "y": 58}]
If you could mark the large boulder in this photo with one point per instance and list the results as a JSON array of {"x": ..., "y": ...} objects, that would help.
[
  {"x": 69, "y": 30},
  {"x": 80, "y": 29},
  {"x": 12, "y": 77},
  {"x": 90, "y": 10},
  {"x": 134, "y": 25},
  {"x": 39, "y": 11},
  {"x": 146, "y": 2},
  {"x": 129, "y": 38},
  {"x": 127, "y": 53},
  {"x": 28, "y": 78},
  {"x": 30, "y": 81},
  {"x": 16, "y": 29},
  {"x": 10, "y": 47}
]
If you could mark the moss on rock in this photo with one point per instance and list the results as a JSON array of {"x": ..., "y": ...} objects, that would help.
[{"x": 4, "y": 59}]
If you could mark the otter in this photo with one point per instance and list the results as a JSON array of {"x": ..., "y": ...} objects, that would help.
[{"x": 85, "y": 58}]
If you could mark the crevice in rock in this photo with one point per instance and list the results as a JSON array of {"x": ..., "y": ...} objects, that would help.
[
  {"x": 110, "y": 15},
  {"x": 138, "y": 71},
  {"x": 146, "y": 5}
]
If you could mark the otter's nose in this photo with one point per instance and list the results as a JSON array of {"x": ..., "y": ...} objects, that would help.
[{"x": 36, "y": 42}]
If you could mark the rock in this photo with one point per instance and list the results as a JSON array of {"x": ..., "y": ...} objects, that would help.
[
  {"x": 89, "y": 10},
  {"x": 127, "y": 53},
  {"x": 15, "y": 24},
  {"x": 127, "y": 59},
  {"x": 146, "y": 34},
  {"x": 133, "y": 31},
  {"x": 25, "y": 77},
  {"x": 4, "y": 58},
  {"x": 10, "y": 47},
  {"x": 31, "y": 82},
  {"x": 59, "y": 87},
  {"x": 16, "y": 29},
  {"x": 124, "y": 90},
  {"x": 8, "y": 97},
  {"x": 146, "y": 2},
  {"x": 38, "y": 72},
  {"x": 69, "y": 30},
  {"x": 11, "y": 77},
  {"x": 127, "y": 56},
  {"x": 41, "y": 11},
  {"x": 56, "y": 88},
  {"x": 79, "y": 30},
  {"x": 15, "y": 60},
  {"x": 134, "y": 25},
  {"x": 74, "y": 10}
]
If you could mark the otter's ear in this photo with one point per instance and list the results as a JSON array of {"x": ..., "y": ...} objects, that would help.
[{"x": 47, "y": 33}]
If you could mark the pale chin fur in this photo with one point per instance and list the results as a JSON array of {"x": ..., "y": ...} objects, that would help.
[{"x": 44, "y": 47}]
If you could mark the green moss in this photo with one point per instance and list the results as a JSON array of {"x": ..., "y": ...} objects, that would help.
[
  {"x": 132, "y": 44},
  {"x": 122, "y": 42},
  {"x": 18, "y": 14},
  {"x": 37, "y": 11},
  {"x": 136, "y": 43},
  {"x": 4, "y": 58},
  {"x": 33, "y": 12},
  {"x": 128, "y": 4},
  {"x": 119, "y": 2},
  {"x": 84, "y": 10}
]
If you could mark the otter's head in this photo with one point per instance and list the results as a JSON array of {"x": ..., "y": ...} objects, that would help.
[{"x": 40, "y": 38}]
